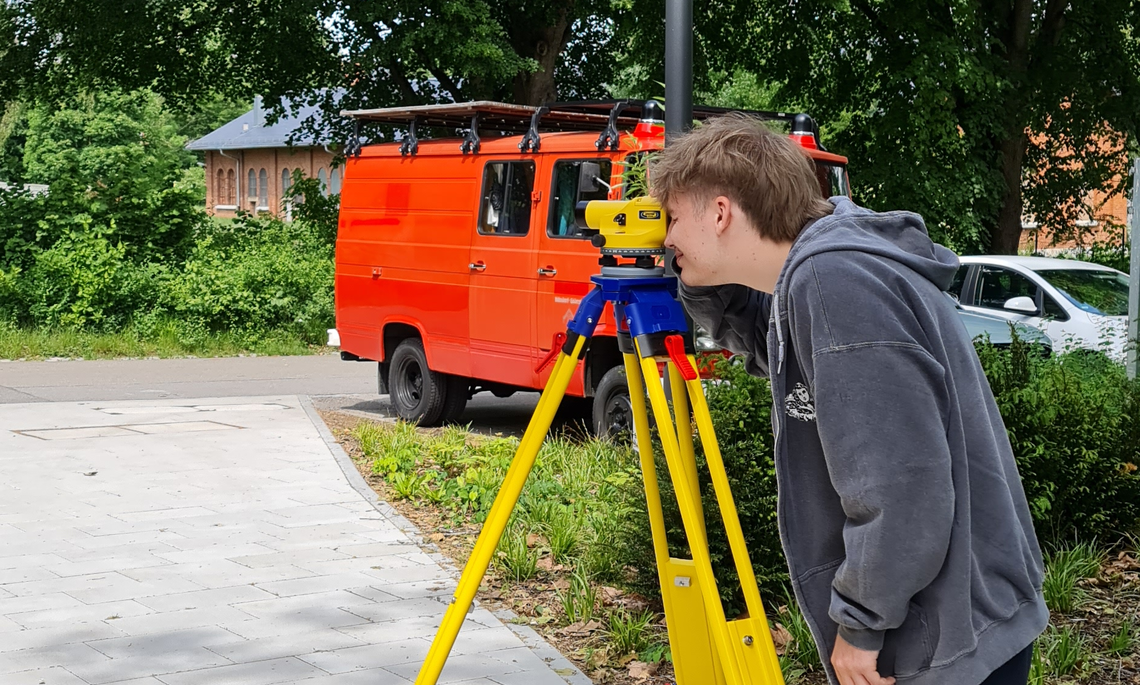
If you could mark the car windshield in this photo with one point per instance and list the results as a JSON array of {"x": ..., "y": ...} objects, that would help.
[{"x": 1097, "y": 292}]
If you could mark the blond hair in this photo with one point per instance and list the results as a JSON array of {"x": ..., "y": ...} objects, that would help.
[{"x": 770, "y": 177}]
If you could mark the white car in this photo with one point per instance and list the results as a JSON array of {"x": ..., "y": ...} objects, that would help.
[{"x": 1079, "y": 305}]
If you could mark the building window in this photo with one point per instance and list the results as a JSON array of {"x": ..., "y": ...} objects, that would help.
[
  {"x": 251, "y": 186},
  {"x": 263, "y": 189},
  {"x": 220, "y": 187},
  {"x": 335, "y": 182},
  {"x": 323, "y": 178},
  {"x": 285, "y": 206},
  {"x": 231, "y": 188}
]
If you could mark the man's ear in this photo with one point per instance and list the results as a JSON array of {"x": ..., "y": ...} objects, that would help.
[{"x": 723, "y": 211}]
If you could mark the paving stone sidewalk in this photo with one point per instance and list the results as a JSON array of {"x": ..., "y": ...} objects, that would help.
[{"x": 219, "y": 541}]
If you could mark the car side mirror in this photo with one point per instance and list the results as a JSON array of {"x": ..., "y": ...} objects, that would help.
[
  {"x": 588, "y": 173},
  {"x": 1022, "y": 305}
]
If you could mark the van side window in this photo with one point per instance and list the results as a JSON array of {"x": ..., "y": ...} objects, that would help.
[
  {"x": 566, "y": 193},
  {"x": 505, "y": 205}
]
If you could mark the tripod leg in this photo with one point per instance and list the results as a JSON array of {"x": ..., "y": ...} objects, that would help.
[
  {"x": 694, "y": 658},
  {"x": 520, "y": 468},
  {"x": 496, "y": 521},
  {"x": 758, "y": 654},
  {"x": 690, "y": 516},
  {"x": 684, "y": 425}
]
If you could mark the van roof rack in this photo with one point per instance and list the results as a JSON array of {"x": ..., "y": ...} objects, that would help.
[{"x": 581, "y": 115}]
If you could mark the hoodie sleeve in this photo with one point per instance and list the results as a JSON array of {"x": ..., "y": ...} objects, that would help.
[
  {"x": 881, "y": 401},
  {"x": 736, "y": 317}
]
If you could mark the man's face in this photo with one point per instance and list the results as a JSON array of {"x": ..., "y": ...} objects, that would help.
[{"x": 693, "y": 238}]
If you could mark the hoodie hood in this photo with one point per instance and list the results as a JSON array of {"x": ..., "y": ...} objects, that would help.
[{"x": 899, "y": 236}]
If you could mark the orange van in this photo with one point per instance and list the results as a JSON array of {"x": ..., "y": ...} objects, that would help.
[{"x": 458, "y": 259}]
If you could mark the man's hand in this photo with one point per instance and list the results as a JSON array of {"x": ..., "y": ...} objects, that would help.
[{"x": 855, "y": 666}]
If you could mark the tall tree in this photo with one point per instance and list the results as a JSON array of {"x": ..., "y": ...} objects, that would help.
[
  {"x": 340, "y": 53},
  {"x": 973, "y": 113}
]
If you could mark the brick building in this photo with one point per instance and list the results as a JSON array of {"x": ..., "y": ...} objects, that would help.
[
  {"x": 250, "y": 165},
  {"x": 1106, "y": 217}
]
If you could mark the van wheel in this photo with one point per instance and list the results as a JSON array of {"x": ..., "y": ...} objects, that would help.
[
  {"x": 613, "y": 413},
  {"x": 417, "y": 392},
  {"x": 456, "y": 400}
]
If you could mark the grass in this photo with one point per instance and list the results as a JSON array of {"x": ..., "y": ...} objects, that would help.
[
  {"x": 518, "y": 561},
  {"x": 1064, "y": 567},
  {"x": 1126, "y": 639},
  {"x": 801, "y": 651},
  {"x": 1058, "y": 653},
  {"x": 165, "y": 342},
  {"x": 630, "y": 631},
  {"x": 578, "y": 514},
  {"x": 580, "y": 600}
]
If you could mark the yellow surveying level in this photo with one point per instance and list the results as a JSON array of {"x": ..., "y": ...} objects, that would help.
[{"x": 707, "y": 648}]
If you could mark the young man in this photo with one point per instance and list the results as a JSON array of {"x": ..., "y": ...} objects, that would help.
[{"x": 905, "y": 526}]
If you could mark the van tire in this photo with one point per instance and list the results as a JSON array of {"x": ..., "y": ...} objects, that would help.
[
  {"x": 456, "y": 398},
  {"x": 613, "y": 413},
  {"x": 417, "y": 393}
]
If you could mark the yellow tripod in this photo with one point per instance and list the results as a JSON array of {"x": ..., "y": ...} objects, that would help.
[{"x": 706, "y": 647}]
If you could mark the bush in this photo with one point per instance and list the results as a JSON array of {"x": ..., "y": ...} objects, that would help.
[
  {"x": 86, "y": 282},
  {"x": 255, "y": 275},
  {"x": 114, "y": 159},
  {"x": 1074, "y": 423}
]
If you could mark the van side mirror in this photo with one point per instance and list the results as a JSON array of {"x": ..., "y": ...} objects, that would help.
[
  {"x": 1021, "y": 305},
  {"x": 588, "y": 173}
]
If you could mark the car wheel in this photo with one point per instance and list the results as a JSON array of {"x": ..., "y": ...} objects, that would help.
[
  {"x": 613, "y": 412},
  {"x": 456, "y": 400},
  {"x": 417, "y": 393}
]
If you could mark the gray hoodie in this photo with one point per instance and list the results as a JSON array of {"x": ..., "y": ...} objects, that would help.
[{"x": 901, "y": 512}]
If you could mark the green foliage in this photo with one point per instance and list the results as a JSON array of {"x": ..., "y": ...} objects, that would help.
[
  {"x": 146, "y": 337},
  {"x": 1111, "y": 255},
  {"x": 253, "y": 275},
  {"x": 1064, "y": 567},
  {"x": 1125, "y": 640},
  {"x": 801, "y": 652},
  {"x": 630, "y": 631},
  {"x": 13, "y": 132},
  {"x": 84, "y": 281},
  {"x": 1060, "y": 651},
  {"x": 580, "y": 600},
  {"x": 113, "y": 160},
  {"x": 312, "y": 207},
  {"x": 516, "y": 559},
  {"x": 1074, "y": 424}
]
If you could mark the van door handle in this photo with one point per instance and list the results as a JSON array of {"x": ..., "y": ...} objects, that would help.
[
  {"x": 548, "y": 272},
  {"x": 477, "y": 266}
]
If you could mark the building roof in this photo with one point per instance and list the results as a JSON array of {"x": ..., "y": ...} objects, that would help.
[{"x": 250, "y": 131}]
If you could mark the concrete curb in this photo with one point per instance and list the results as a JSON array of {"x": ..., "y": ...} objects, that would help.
[{"x": 558, "y": 663}]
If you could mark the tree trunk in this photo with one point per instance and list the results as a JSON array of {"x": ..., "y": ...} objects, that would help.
[
  {"x": 544, "y": 44},
  {"x": 1006, "y": 234}
]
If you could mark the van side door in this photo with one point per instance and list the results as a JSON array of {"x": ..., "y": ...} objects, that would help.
[{"x": 503, "y": 278}]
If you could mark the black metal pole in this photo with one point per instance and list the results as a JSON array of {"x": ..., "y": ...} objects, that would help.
[
  {"x": 678, "y": 89},
  {"x": 678, "y": 66}
]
